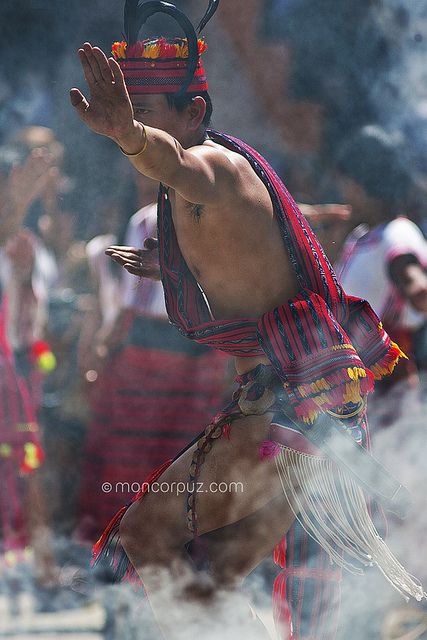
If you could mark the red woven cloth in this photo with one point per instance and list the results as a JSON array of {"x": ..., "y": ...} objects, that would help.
[
  {"x": 325, "y": 346},
  {"x": 20, "y": 449},
  {"x": 151, "y": 401},
  {"x": 158, "y": 66}
]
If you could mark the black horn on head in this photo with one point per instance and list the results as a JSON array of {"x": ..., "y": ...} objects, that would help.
[
  {"x": 212, "y": 7},
  {"x": 136, "y": 14}
]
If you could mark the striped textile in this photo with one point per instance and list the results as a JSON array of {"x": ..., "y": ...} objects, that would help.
[
  {"x": 325, "y": 346},
  {"x": 142, "y": 77},
  {"x": 307, "y": 591},
  {"x": 159, "y": 65},
  {"x": 151, "y": 400}
]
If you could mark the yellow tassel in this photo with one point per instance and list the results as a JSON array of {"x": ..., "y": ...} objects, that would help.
[
  {"x": 380, "y": 371},
  {"x": 119, "y": 50},
  {"x": 352, "y": 393},
  {"x": 181, "y": 50},
  {"x": 401, "y": 354},
  {"x": 342, "y": 346},
  {"x": 354, "y": 373},
  {"x": 311, "y": 417},
  {"x": 322, "y": 399},
  {"x": 314, "y": 387},
  {"x": 31, "y": 459},
  {"x": 321, "y": 385},
  {"x": 151, "y": 51}
]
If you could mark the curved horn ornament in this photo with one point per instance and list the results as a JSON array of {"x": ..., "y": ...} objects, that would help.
[{"x": 136, "y": 15}]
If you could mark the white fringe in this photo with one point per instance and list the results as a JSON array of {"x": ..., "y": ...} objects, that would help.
[{"x": 332, "y": 509}]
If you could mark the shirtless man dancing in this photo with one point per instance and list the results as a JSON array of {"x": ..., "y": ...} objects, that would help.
[{"x": 241, "y": 272}]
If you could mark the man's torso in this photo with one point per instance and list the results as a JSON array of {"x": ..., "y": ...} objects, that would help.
[{"x": 235, "y": 250}]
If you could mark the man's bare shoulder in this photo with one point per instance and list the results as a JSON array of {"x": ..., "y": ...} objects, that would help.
[
  {"x": 218, "y": 156},
  {"x": 239, "y": 192}
]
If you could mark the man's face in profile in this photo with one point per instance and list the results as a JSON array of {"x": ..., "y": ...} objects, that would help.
[{"x": 154, "y": 111}]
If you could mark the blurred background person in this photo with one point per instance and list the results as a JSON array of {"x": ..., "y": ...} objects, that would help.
[
  {"x": 384, "y": 258},
  {"x": 23, "y": 514}
]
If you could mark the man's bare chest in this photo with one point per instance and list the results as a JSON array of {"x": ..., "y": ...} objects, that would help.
[{"x": 195, "y": 237}]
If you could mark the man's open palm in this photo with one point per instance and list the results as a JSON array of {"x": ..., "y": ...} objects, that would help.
[
  {"x": 109, "y": 110},
  {"x": 139, "y": 262}
]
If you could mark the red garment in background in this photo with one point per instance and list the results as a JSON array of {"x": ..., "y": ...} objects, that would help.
[
  {"x": 20, "y": 450},
  {"x": 150, "y": 400}
]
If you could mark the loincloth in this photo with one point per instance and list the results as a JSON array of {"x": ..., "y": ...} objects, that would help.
[
  {"x": 260, "y": 391},
  {"x": 330, "y": 504}
]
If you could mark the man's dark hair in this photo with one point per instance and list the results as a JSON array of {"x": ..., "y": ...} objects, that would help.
[{"x": 180, "y": 103}]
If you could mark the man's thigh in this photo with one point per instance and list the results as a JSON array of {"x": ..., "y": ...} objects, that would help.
[{"x": 233, "y": 482}]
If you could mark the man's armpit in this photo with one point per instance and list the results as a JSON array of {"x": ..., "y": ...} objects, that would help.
[
  {"x": 207, "y": 177},
  {"x": 196, "y": 211}
]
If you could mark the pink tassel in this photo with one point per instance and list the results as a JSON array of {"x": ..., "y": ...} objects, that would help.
[{"x": 268, "y": 449}]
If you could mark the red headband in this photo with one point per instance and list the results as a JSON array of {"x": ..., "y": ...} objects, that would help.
[{"x": 158, "y": 66}]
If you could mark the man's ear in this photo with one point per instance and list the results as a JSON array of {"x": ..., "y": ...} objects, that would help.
[{"x": 196, "y": 112}]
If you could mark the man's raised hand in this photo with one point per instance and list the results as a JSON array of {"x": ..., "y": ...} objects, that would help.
[{"x": 109, "y": 110}]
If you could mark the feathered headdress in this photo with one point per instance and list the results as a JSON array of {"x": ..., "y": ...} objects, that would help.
[{"x": 160, "y": 65}]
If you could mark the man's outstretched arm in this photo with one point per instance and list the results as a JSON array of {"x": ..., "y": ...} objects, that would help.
[{"x": 200, "y": 175}]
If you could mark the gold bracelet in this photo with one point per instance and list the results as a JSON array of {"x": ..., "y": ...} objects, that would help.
[{"x": 134, "y": 155}]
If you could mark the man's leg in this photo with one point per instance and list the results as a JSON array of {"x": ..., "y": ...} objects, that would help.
[
  {"x": 154, "y": 530},
  {"x": 307, "y": 592},
  {"x": 223, "y": 546}
]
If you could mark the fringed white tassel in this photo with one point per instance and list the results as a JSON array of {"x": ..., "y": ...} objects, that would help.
[{"x": 333, "y": 510}]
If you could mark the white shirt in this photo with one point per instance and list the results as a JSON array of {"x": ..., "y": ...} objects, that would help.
[
  {"x": 146, "y": 295},
  {"x": 363, "y": 267}
]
